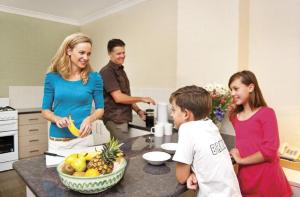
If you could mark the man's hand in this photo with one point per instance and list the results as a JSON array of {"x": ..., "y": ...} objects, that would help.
[
  {"x": 142, "y": 114},
  {"x": 192, "y": 182},
  {"x": 148, "y": 100}
]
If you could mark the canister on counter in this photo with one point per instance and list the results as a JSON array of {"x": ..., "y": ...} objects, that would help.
[{"x": 149, "y": 118}]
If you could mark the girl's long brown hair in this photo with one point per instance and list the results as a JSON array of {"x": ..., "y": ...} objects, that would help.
[
  {"x": 61, "y": 62},
  {"x": 256, "y": 98}
]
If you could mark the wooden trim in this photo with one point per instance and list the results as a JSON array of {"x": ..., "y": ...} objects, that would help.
[{"x": 244, "y": 20}]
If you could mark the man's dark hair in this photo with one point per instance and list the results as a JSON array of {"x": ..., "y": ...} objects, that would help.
[
  {"x": 114, "y": 43},
  {"x": 193, "y": 98}
]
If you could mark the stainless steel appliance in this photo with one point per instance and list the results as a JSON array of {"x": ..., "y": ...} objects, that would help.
[{"x": 8, "y": 137}]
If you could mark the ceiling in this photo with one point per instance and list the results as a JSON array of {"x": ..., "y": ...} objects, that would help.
[{"x": 76, "y": 12}]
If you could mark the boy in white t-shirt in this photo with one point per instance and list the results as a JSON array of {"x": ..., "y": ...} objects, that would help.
[{"x": 202, "y": 157}]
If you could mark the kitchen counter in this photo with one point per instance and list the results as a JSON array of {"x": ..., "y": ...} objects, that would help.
[
  {"x": 29, "y": 110},
  {"x": 140, "y": 124},
  {"x": 140, "y": 178}
]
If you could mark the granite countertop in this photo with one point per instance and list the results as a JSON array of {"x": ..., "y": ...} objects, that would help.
[{"x": 140, "y": 179}]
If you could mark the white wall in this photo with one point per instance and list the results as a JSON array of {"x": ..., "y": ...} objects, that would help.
[
  {"x": 26, "y": 96},
  {"x": 274, "y": 56},
  {"x": 149, "y": 31},
  {"x": 207, "y": 41}
]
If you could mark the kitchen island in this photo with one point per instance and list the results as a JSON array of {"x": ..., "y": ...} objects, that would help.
[{"x": 140, "y": 178}]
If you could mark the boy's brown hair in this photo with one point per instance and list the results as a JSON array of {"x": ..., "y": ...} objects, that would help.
[{"x": 193, "y": 98}]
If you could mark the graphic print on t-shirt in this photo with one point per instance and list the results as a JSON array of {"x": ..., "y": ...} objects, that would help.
[{"x": 217, "y": 147}]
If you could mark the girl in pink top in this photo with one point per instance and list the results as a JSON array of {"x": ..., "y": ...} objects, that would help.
[{"x": 257, "y": 140}]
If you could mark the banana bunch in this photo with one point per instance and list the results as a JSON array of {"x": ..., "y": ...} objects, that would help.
[{"x": 72, "y": 128}]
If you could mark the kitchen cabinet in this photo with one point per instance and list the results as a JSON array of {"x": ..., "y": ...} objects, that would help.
[{"x": 33, "y": 134}]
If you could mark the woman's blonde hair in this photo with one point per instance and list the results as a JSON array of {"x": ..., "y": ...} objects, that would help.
[{"x": 61, "y": 62}]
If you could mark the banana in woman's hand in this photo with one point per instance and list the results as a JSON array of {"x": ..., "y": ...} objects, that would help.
[{"x": 72, "y": 128}]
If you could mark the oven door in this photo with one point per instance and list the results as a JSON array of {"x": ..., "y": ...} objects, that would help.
[{"x": 8, "y": 146}]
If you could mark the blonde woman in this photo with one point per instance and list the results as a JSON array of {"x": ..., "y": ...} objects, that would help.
[{"x": 70, "y": 88}]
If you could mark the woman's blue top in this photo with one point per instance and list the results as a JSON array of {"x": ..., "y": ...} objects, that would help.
[{"x": 65, "y": 97}]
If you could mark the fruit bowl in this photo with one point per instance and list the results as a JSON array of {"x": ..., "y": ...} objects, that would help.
[{"x": 92, "y": 185}]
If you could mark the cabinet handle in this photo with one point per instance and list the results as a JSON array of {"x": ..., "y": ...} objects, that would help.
[
  {"x": 34, "y": 151},
  {"x": 33, "y": 119},
  {"x": 34, "y": 140},
  {"x": 31, "y": 130}
]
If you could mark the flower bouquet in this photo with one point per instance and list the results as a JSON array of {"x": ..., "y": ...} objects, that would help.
[{"x": 221, "y": 99}]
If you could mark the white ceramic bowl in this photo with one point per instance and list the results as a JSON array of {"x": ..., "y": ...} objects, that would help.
[
  {"x": 169, "y": 147},
  {"x": 156, "y": 157}
]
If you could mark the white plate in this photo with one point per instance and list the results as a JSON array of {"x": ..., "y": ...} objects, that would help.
[
  {"x": 156, "y": 157},
  {"x": 169, "y": 147}
]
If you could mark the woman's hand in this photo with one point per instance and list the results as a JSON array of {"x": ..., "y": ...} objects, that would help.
[
  {"x": 192, "y": 182},
  {"x": 235, "y": 153},
  {"x": 62, "y": 122},
  {"x": 85, "y": 127}
]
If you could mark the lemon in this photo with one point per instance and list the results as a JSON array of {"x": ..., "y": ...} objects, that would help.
[{"x": 92, "y": 172}]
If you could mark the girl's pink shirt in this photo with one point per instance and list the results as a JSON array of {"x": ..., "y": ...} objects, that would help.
[{"x": 260, "y": 133}]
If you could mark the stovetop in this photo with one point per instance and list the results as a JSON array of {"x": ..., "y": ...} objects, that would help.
[
  {"x": 8, "y": 113},
  {"x": 6, "y": 108}
]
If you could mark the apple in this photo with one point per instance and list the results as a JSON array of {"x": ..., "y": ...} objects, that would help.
[
  {"x": 82, "y": 154},
  {"x": 79, "y": 164},
  {"x": 70, "y": 159}
]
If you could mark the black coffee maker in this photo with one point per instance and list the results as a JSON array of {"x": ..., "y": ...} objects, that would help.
[{"x": 149, "y": 118}]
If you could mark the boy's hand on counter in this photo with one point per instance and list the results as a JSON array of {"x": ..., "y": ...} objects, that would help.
[{"x": 192, "y": 182}]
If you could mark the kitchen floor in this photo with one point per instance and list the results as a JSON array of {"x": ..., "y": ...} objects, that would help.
[{"x": 11, "y": 184}]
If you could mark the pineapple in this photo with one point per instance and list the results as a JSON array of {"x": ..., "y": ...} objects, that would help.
[{"x": 104, "y": 161}]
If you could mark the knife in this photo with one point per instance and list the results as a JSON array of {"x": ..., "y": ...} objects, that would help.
[{"x": 53, "y": 154}]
